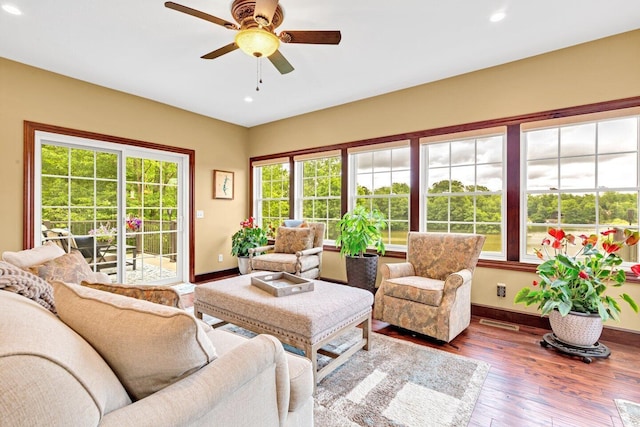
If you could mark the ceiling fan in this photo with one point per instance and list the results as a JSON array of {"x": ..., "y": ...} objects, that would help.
[{"x": 257, "y": 21}]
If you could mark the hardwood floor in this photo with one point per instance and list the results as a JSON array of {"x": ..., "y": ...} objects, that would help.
[{"x": 529, "y": 385}]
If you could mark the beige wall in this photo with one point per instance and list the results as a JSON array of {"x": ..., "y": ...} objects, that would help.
[
  {"x": 603, "y": 70},
  {"x": 28, "y": 93}
]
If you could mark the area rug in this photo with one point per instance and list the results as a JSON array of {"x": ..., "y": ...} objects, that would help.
[
  {"x": 396, "y": 383},
  {"x": 629, "y": 412}
]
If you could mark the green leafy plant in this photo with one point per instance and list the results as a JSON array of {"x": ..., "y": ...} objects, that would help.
[
  {"x": 248, "y": 237},
  {"x": 579, "y": 283},
  {"x": 360, "y": 229}
]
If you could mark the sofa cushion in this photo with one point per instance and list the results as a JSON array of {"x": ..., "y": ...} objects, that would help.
[
  {"x": 292, "y": 240},
  {"x": 149, "y": 346},
  {"x": 164, "y": 295},
  {"x": 38, "y": 255},
  {"x": 16, "y": 280},
  {"x": 415, "y": 288},
  {"x": 437, "y": 255},
  {"x": 50, "y": 375},
  {"x": 70, "y": 268},
  {"x": 284, "y": 262}
]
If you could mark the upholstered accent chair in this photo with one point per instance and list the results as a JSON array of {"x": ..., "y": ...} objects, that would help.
[
  {"x": 297, "y": 250},
  {"x": 430, "y": 293}
]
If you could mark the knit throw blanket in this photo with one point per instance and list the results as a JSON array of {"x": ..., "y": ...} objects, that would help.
[{"x": 14, "y": 279}]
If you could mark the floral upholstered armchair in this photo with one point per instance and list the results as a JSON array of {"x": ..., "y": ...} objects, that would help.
[
  {"x": 431, "y": 292},
  {"x": 297, "y": 250}
]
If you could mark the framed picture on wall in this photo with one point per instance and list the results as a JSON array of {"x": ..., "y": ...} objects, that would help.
[{"x": 222, "y": 184}]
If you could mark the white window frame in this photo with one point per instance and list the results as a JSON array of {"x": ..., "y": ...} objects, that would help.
[
  {"x": 258, "y": 197},
  {"x": 299, "y": 190},
  {"x": 594, "y": 118},
  {"x": 425, "y": 184},
  {"x": 352, "y": 187}
]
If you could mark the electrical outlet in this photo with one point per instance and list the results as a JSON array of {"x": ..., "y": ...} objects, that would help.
[
  {"x": 502, "y": 290},
  {"x": 219, "y": 257}
]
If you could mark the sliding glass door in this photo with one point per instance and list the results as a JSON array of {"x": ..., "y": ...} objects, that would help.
[
  {"x": 120, "y": 207},
  {"x": 152, "y": 218}
]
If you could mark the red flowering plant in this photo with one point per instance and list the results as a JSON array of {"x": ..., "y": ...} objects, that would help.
[
  {"x": 579, "y": 282},
  {"x": 249, "y": 236}
]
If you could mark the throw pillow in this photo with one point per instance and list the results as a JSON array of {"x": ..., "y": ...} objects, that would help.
[
  {"x": 16, "y": 280},
  {"x": 28, "y": 257},
  {"x": 164, "y": 295},
  {"x": 71, "y": 268},
  {"x": 292, "y": 240},
  {"x": 149, "y": 346}
]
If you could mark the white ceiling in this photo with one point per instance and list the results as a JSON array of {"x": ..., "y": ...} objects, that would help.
[{"x": 141, "y": 47}]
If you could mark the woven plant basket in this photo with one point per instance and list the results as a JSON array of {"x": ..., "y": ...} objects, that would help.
[
  {"x": 578, "y": 329},
  {"x": 362, "y": 271}
]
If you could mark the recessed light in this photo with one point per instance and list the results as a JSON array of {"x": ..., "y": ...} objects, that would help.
[
  {"x": 497, "y": 17},
  {"x": 248, "y": 99},
  {"x": 9, "y": 8}
]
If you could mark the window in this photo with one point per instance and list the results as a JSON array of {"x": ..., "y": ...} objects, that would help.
[
  {"x": 581, "y": 176},
  {"x": 152, "y": 202},
  {"x": 79, "y": 199},
  {"x": 319, "y": 187},
  {"x": 507, "y": 178},
  {"x": 381, "y": 180},
  {"x": 463, "y": 187},
  {"x": 121, "y": 207},
  {"x": 272, "y": 196}
]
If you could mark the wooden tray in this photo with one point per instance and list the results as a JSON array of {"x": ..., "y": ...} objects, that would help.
[{"x": 282, "y": 284}]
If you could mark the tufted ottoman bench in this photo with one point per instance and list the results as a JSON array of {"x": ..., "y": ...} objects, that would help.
[{"x": 306, "y": 320}]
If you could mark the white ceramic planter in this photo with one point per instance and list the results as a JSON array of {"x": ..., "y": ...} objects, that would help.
[
  {"x": 579, "y": 329},
  {"x": 243, "y": 264}
]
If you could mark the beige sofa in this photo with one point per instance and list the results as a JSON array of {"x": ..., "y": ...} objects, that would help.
[{"x": 112, "y": 360}]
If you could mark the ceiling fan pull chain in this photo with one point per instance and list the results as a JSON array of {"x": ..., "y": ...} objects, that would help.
[
  {"x": 258, "y": 73},
  {"x": 258, "y": 80}
]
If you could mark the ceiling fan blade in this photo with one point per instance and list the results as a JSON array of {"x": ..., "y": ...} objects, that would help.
[
  {"x": 219, "y": 52},
  {"x": 281, "y": 63},
  {"x": 311, "y": 37},
  {"x": 264, "y": 10},
  {"x": 201, "y": 15}
]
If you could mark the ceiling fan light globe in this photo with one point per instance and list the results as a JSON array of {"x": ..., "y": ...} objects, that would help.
[{"x": 257, "y": 42}]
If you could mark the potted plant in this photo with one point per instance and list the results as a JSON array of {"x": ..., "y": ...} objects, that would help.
[
  {"x": 105, "y": 233},
  {"x": 249, "y": 236},
  {"x": 572, "y": 289},
  {"x": 360, "y": 229}
]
